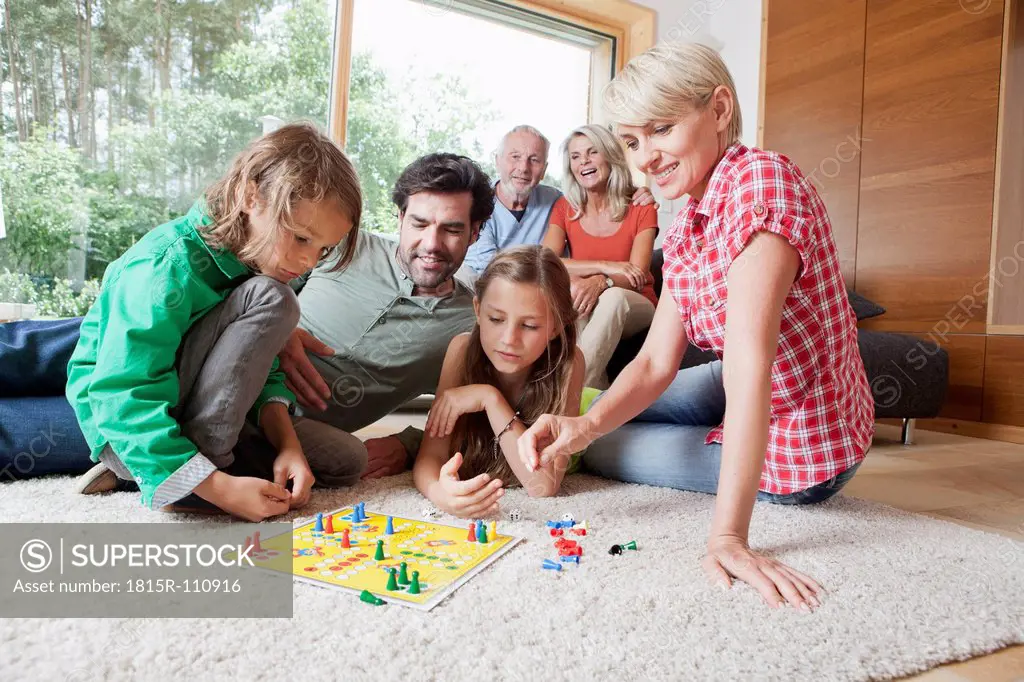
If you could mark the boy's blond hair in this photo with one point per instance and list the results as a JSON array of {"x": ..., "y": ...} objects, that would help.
[
  {"x": 668, "y": 80},
  {"x": 292, "y": 163}
]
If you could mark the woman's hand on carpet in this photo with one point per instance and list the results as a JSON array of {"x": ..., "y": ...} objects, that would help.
[
  {"x": 730, "y": 557},
  {"x": 551, "y": 436},
  {"x": 291, "y": 465}
]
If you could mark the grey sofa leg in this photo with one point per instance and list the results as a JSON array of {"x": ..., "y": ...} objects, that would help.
[{"x": 907, "y": 433}]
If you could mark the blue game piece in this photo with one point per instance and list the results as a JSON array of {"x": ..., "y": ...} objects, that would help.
[
  {"x": 569, "y": 559},
  {"x": 481, "y": 532},
  {"x": 362, "y": 512},
  {"x": 551, "y": 565},
  {"x": 319, "y": 527},
  {"x": 554, "y": 524},
  {"x": 389, "y": 529}
]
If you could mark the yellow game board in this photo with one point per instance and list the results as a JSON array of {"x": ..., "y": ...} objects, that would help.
[{"x": 441, "y": 553}]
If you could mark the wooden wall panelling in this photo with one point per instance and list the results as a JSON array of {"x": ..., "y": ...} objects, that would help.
[
  {"x": 967, "y": 354},
  {"x": 813, "y": 80},
  {"x": 1004, "y": 381},
  {"x": 1006, "y": 309},
  {"x": 931, "y": 82}
]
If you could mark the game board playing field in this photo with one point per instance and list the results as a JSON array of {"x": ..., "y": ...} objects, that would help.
[{"x": 438, "y": 557}]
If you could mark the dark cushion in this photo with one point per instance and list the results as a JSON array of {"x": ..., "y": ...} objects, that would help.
[{"x": 864, "y": 308}]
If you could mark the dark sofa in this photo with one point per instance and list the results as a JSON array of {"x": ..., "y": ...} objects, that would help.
[{"x": 908, "y": 376}]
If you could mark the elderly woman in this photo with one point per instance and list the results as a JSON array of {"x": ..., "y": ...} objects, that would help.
[
  {"x": 752, "y": 273},
  {"x": 610, "y": 244}
]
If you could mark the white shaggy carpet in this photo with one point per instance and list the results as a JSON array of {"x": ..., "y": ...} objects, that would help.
[{"x": 906, "y": 593}]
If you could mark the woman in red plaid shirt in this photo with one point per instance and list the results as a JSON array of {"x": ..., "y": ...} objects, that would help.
[{"x": 785, "y": 414}]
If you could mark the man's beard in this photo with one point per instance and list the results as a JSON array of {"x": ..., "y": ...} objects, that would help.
[
  {"x": 432, "y": 279},
  {"x": 518, "y": 196}
]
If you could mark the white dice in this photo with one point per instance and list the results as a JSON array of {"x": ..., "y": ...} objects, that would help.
[
  {"x": 515, "y": 515},
  {"x": 429, "y": 512},
  {"x": 568, "y": 517}
]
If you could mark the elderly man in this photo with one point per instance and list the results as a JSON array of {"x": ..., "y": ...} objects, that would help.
[
  {"x": 371, "y": 337},
  {"x": 522, "y": 206}
]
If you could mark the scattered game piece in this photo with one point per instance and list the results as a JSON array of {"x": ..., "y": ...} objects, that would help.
[
  {"x": 582, "y": 526},
  {"x": 570, "y": 551},
  {"x": 565, "y": 542},
  {"x": 389, "y": 529},
  {"x": 574, "y": 559},
  {"x": 515, "y": 515},
  {"x": 392, "y": 580},
  {"x": 481, "y": 532},
  {"x": 379, "y": 556},
  {"x": 345, "y": 542},
  {"x": 319, "y": 527},
  {"x": 615, "y": 550},
  {"x": 556, "y": 532},
  {"x": 329, "y": 524},
  {"x": 472, "y": 532},
  {"x": 248, "y": 542},
  {"x": 403, "y": 574},
  {"x": 492, "y": 531},
  {"x": 256, "y": 542},
  {"x": 414, "y": 586},
  {"x": 370, "y": 598},
  {"x": 630, "y": 545},
  {"x": 568, "y": 517},
  {"x": 551, "y": 565},
  {"x": 578, "y": 531},
  {"x": 553, "y": 524}
]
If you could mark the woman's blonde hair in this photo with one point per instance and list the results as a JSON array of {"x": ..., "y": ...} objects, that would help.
[
  {"x": 620, "y": 183},
  {"x": 547, "y": 386},
  {"x": 666, "y": 81},
  {"x": 292, "y": 163}
]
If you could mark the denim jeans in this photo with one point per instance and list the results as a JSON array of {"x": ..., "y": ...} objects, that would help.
[
  {"x": 39, "y": 432},
  {"x": 664, "y": 445}
]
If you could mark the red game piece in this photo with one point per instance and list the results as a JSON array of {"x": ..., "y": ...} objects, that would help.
[
  {"x": 256, "y": 542},
  {"x": 329, "y": 524},
  {"x": 556, "y": 532},
  {"x": 472, "y": 532},
  {"x": 578, "y": 531},
  {"x": 345, "y": 542}
]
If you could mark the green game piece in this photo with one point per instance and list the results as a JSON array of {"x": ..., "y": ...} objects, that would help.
[
  {"x": 379, "y": 556},
  {"x": 403, "y": 574},
  {"x": 630, "y": 545},
  {"x": 414, "y": 588},
  {"x": 392, "y": 580},
  {"x": 370, "y": 598},
  {"x": 406, "y": 552}
]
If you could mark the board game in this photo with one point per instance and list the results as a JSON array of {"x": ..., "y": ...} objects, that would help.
[{"x": 438, "y": 557}]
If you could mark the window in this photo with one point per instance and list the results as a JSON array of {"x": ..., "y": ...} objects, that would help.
[
  {"x": 456, "y": 76},
  {"x": 115, "y": 115}
]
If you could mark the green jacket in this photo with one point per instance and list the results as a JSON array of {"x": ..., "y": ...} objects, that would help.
[{"x": 122, "y": 379}]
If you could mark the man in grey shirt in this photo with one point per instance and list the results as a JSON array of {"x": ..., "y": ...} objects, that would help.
[{"x": 374, "y": 335}]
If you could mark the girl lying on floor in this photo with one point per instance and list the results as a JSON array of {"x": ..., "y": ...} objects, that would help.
[{"x": 520, "y": 361}]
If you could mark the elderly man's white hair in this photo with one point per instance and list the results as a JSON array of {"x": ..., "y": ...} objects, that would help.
[{"x": 500, "y": 151}]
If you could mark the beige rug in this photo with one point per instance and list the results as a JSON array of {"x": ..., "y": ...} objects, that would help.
[{"x": 906, "y": 594}]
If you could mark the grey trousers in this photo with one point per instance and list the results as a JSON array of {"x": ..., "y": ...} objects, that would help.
[{"x": 223, "y": 364}]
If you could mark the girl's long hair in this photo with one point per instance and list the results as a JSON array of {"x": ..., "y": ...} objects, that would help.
[
  {"x": 547, "y": 386},
  {"x": 292, "y": 163},
  {"x": 620, "y": 181}
]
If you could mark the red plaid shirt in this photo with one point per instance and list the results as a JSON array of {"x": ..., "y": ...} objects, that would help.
[{"x": 822, "y": 414}]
